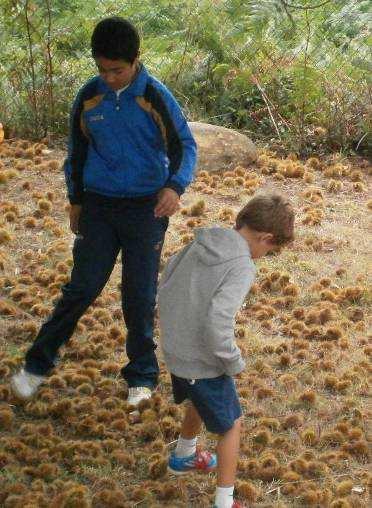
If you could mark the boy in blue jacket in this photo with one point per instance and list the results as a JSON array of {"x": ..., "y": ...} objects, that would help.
[
  {"x": 131, "y": 155},
  {"x": 200, "y": 291}
]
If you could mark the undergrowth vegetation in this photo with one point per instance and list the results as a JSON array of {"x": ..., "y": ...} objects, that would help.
[{"x": 293, "y": 73}]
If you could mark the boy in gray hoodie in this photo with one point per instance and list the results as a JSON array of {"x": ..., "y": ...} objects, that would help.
[{"x": 201, "y": 289}]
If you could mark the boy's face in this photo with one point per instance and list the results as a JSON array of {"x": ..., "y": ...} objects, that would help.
[{"x": 116, "y": 73}]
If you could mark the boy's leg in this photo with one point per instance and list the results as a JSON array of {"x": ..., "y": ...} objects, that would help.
[
  {"x": 220, "y": 405},
  {"x": 94, "y": 254},
  {"x": 186, "y": 456},
  {"x": 217, "y": 402},
  {"x": 142, "y": 241},
  {"x": 191, "y": 423},
  {"x": 186, "y": 444},
  {"x": 227, "y": 455}
]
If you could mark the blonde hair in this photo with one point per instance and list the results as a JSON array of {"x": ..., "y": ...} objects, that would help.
[{"x": 269, "y": 213}]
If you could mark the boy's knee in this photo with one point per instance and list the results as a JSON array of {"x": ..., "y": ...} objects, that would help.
[
  {"x": 237, "y": 424},
  {"x": 78, "y": 293}
]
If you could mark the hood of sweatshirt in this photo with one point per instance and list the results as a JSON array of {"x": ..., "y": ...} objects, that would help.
[{"x": 217, "y": 245}]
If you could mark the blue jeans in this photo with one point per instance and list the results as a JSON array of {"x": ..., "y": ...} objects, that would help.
[{"x": 106, "y": 226}]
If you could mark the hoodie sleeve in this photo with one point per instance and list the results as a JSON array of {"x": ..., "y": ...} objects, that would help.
[{"x": 219, "y": 327}]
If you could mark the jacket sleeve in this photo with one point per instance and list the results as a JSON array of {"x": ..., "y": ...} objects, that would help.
[
  {"x": 181, "y": 150},
  {"x": 77, "y": 152},
  {"x": 219, "y": 325},
  {"x": 180, "y": 143}
]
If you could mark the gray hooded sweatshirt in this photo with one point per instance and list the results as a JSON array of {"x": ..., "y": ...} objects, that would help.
[{"x": 201, "y": 289}]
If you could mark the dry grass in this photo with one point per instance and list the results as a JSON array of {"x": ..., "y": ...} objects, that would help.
[{"x": 303, "y": 331}]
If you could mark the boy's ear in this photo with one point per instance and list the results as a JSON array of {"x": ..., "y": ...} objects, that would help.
[{"x": 267, "y": 238}]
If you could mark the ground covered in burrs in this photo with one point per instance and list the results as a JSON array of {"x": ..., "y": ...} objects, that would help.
[{"x": 303, "y": 330}]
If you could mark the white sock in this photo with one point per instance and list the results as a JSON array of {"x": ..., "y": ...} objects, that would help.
[
  {"x": 185, "y": 447},
  {"x": 224, "y": 497}
]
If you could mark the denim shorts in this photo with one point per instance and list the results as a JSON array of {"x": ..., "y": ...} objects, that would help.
[{"x": 215, "y": 400}]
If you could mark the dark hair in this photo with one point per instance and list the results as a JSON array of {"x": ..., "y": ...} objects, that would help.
[
  {"x": 270, "y": 213},
  {"x": 116, "y": 39}
]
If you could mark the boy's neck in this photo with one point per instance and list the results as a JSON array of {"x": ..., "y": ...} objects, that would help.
[
  {"x": 253, "y": 239},
  {"x": 247, "y": 235}
]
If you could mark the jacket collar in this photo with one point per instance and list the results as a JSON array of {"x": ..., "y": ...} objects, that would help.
[{"x": 136, "y": 88}]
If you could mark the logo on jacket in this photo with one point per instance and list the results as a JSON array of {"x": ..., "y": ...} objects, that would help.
[{"x": 96, "y": 118}]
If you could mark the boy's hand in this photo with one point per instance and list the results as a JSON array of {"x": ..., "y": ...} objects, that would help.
[
  {"x": 75, "y": 211},
  {"x": 168, "y": 203}
]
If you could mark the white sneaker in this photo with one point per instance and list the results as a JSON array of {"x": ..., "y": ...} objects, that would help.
[
  {"x": 138, "y": 393},
  {"x": 24, "y": 385}
]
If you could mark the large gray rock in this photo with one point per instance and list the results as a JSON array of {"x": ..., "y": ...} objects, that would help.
[{"x": 221, "y": 148}]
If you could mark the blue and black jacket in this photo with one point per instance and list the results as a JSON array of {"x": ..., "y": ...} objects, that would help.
[{"x": 128, "y": 146}]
